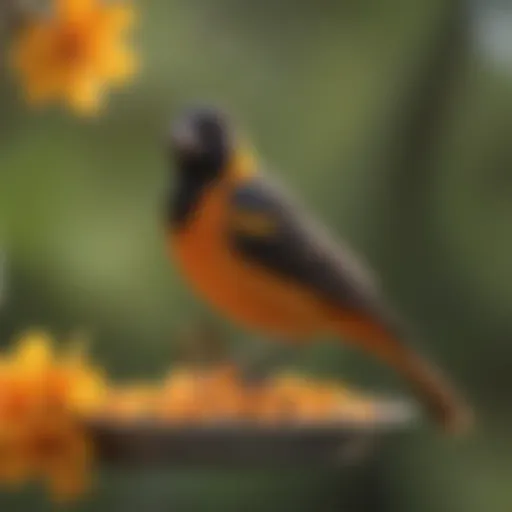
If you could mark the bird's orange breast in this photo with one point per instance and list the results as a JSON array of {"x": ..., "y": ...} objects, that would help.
[{"x": 244, "y": 292}]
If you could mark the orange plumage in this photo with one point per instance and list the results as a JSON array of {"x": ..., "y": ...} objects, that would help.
[{"x": 247, "y": 294}]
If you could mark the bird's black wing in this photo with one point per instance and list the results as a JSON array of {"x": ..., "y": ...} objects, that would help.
[{"x": 267, "y": 228}]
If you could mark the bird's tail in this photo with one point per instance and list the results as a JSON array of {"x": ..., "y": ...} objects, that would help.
[{"x": 437, "y": 395}]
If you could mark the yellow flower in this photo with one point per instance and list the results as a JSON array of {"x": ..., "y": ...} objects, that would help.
[
  {"x": 42, "y": 397},
  {"x": 74, "y": 53}
]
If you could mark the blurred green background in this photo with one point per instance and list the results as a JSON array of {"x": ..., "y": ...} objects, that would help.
[{"x": 392, "y": 118}]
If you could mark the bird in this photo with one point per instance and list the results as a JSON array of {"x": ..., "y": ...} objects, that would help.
[{"x": 253, "y": 251}]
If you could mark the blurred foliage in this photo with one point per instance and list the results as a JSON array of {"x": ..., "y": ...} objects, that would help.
[{"x": 320, "y": 86}]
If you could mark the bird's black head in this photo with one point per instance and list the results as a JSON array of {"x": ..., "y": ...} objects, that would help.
[
  {"x": 202, "y": 142},
  {"x": 202, "y": 145}
]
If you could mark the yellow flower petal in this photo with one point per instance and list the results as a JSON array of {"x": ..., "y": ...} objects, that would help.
[
  {"x": 85, "y": 95},
  {"x": 87, "y": 395},
  {"x": 118, "y": 65},
  {"x": 70, "y": 10},
  {"x": 119, "y": 17},
  {"x": 34, "y": 352}
]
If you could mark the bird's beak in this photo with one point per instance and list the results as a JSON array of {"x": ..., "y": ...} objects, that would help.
[{"x": 184, "y": 138}]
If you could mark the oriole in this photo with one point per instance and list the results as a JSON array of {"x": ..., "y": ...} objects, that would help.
[{"x": 252, "y": 252}]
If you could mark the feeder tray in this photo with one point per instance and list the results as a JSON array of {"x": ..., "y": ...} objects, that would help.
[{"x": 152, "y": 443}]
